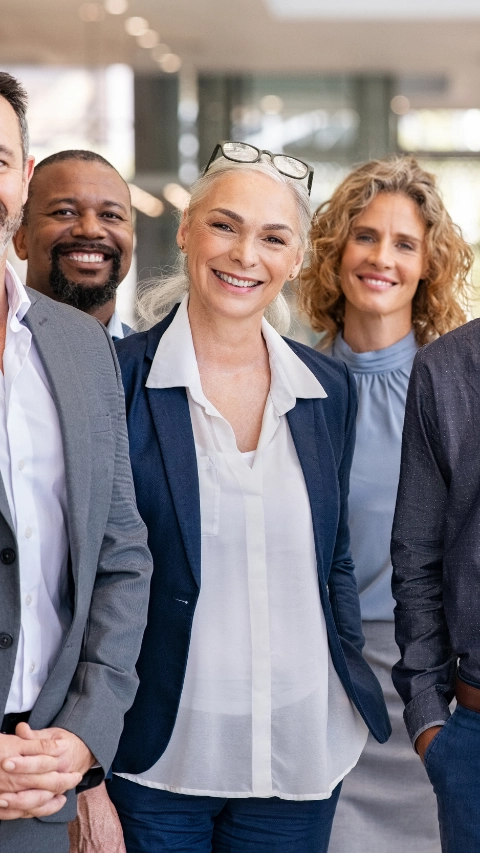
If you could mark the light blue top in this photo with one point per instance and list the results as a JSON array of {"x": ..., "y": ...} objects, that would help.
[{"x": 382, "y": 381}]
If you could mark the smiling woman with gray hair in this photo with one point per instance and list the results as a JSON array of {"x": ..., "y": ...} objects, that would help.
[{"x": 254, "y": 698}]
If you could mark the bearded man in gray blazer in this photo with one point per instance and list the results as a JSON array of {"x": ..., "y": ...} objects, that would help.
[{"x": 74, "y": 564}]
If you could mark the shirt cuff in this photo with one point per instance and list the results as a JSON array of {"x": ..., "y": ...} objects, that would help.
[
  {"x": 429, "y": 708},
  {"x": 424, "y": 729}
]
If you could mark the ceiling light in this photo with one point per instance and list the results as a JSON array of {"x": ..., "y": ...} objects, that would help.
[
  {"x": 373, "y": 9},
  {"x": 148, "y": 39},
  {"x": 145, "y": 202},
  {"x": 136, "y": 26},
  {"x": 91, "y": 12},
  {"x": 400, "y": 105},
  {"x": 116, "y": 7},
  {"x": 170, "y": 63},
  {"x": 271, "y": 105},
  {"x": 159, "y": 51},
  {"x": 177, "y": 196}
]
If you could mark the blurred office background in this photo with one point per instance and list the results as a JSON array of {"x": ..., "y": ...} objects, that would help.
[{"x": 154, "y": 84}]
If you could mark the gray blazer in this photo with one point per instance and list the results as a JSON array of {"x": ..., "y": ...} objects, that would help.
[{"x": 93, "y": 681}]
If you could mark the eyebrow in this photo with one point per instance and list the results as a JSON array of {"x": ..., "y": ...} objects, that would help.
[
  {"x": 400, "y": 235},
  {"x": 272, "y": 226},
  {"x": 7, "y": 151},
  {"x": 105, "y": 203}
]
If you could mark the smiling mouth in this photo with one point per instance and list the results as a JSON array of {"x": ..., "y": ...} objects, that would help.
[
  {"x": 237, "y": 282},
  {"x": 87, "y": 257},
  {"x": 381, "y": 283}
]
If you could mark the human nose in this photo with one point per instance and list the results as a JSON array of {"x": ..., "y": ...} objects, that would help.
[
  {"x": 88, "y": 225},
  {"x": 381, "y": 254},
  {"x": 244, "y": 251}
]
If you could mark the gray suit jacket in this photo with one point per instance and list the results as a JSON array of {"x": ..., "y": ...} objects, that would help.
[{"x": 93, "y": 681}]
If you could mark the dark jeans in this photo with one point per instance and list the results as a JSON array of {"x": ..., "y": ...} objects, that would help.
[
  {"x": 155, "y": 821},
  {"x": 452, "y": 761}
]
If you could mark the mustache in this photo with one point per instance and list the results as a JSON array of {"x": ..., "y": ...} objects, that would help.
[{"x": 84, "y": 246}]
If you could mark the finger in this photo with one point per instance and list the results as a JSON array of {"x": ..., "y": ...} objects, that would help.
[
  {"x": 41, "y": 746},
  {"x": 32, "y": 763},
  {"x": 55, "y": 783},
  {"x": 32, "y": 803},
  {"x": 23, "y": 730},
  {"x": 54, "y": 805}
]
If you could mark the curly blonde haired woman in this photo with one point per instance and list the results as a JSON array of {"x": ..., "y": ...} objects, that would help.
[{"x": 388, "y": 273}]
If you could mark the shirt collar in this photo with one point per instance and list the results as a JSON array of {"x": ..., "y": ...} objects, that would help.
[
  {"x": 291, "y": 378},
  {"x": 114, "y": 327},
  {"x": 175, "y": 365},
  {"x": 18, "y": 300}
]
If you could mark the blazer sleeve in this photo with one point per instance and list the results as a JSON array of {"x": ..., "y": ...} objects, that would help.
[
  {"x": 105, "y": 682},
  {"x": 342, "y": 582},
  {"x": 424, "y": 675}
]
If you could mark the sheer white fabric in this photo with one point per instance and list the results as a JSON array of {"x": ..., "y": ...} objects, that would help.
[
  {"x": 262, "y": 712},
  {"x": 33, "y": 473}
]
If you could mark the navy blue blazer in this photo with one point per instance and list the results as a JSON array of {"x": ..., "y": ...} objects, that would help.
[{"x": 166, "y": 481}]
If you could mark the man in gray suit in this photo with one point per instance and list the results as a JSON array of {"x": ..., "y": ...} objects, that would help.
[{"x": 74, "y": 565}]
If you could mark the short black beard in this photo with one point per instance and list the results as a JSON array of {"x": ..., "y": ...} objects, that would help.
[{"x": 83, "y": 296}]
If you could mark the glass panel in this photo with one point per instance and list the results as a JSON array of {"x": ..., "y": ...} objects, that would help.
[
  {"x": 439, "y": 130},
  {"x": 313, "y": 118},
  {"x": 459, "y": 182}
]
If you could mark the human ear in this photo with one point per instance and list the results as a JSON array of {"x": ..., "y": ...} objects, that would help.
[
  {"x": 182, "y": 233},
  {"x": 27, "y": 176},
  {"x": 20, "y": 243},
  {"x": 298, "y": 263}
]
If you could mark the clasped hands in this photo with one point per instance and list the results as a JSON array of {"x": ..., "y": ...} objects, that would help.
[{"x": 36, "y": 768}]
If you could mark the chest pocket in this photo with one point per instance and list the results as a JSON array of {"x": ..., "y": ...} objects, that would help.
[{"x": 209, "y": 495}]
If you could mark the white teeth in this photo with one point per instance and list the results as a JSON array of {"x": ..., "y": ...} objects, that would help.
[
  {"x": 378, "y": 282},
  {"x": 86, "y": 259},
  {"x": 237, "y": 282}
]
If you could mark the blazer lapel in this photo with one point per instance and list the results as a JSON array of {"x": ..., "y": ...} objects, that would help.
[
  {"x": 317, "y": 463},
  {"x": 4, "y": 507},
  {"x": 68, "y": 395},
  {"x": 171, "y": 416}
]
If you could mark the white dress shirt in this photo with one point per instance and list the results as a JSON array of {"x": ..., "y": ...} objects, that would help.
[
  {"x": 33, "y": 473},
  {"x": 115, "y": 327},
  {"x": 262, "y": 712}
]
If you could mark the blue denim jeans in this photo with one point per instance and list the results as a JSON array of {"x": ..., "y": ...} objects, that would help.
[
  {"x": 155, "y": 821},
  {"x": 452, "y": 761}
]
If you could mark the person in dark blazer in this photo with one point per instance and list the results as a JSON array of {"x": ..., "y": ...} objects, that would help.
[
  {"x": 436, "y": 564},
  {"x": 254, "y": 698}
]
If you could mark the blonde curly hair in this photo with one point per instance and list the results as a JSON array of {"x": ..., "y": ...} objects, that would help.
[{"x": 437, "y": 304}]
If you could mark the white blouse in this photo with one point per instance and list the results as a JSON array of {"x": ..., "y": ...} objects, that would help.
[{"x": 262, "y": 712}]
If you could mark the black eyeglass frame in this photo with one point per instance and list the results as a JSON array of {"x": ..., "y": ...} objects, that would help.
[{"x": 260, "y": 151}]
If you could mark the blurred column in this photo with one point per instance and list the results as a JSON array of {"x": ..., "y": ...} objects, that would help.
[
  {"x": 157, "y": 164},
  {"x": 218, "y": 95},
  {"x": 187, "y": 125},
  {"x": 377, "y": 126}
]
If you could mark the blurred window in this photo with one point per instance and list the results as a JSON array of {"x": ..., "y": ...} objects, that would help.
[
  {"x": 313, "y": 118},
  {"x": 440, "y": 130},
  {"x": 89, "y": 108}
]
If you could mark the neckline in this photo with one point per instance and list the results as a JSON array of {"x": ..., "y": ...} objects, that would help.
[{"x": 377, "y": 361}]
